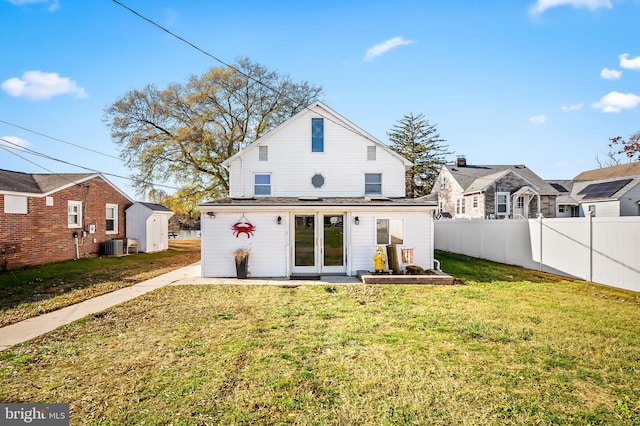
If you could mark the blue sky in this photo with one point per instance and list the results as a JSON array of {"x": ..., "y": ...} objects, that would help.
[{"x": 544, "y": 83}]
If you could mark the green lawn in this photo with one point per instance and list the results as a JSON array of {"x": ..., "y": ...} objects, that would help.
[
  {"x": 29, "y": 292},
  {"x": 520, "y": 348}
]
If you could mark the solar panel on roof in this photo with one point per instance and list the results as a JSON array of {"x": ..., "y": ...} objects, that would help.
[
  {"x": 603, "y": 189},
  {"x": 558, "y": 187}
]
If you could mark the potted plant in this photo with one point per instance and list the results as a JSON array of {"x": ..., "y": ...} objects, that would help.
[{"x": 241, "y": 257}]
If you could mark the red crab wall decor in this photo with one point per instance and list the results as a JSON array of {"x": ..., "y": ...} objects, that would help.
[{"x": 243, "y": 226}]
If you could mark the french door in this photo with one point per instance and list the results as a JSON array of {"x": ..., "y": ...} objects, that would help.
[{"x": 318, "y": 243}]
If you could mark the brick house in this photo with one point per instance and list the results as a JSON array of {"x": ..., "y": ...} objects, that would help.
[
  {"x": 52, "y": 217},
  {"x": 493, "y": 192}
]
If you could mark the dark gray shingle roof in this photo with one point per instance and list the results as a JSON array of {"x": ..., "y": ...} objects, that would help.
[
  {"x": 426, "y": 201},
  {"x": 475, "y": 176},
  {"x": 37, "y": 183}
]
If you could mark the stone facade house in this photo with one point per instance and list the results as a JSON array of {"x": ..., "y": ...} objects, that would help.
[{"x": 492, "y": 192}]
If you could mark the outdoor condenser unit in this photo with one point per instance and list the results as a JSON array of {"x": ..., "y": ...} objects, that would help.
[{"x": 113, "y": 248}]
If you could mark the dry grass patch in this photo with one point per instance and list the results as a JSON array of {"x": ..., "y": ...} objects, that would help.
[{"x": 485, "y": 353}]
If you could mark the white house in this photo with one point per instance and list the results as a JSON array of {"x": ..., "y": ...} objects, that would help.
[
  {"x": 149, "y": 224},
  {"x": 316, "y": 195}
]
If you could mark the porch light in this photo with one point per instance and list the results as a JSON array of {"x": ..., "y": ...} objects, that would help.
[
  {"x": 279, "y": 220},
  {"x": 356, "y": 220},
  {"x": 211, "y": 215}
]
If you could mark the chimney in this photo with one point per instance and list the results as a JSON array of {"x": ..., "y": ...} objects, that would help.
[{"x": 461, "y": 161}]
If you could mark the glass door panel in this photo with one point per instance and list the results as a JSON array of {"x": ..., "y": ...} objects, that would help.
[
  {"x": 333, "y": 241},
  {"x": 304, "y": 241}
]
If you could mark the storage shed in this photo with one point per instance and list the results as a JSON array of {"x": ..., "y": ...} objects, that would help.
[{"x": 149, "y": 224}]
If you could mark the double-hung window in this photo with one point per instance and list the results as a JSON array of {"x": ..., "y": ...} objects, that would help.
[
  {"x": 317, "y": 135},
  {"x": 74, "y": 214},
  {"x": 389, "y": 231},
  {"x": 112, "y": 219},
  {"x": 262, "y": 184},
  {"x": 373, "y": 184},
  {"x": 460, "y": 206},
  {"x": 502, "y": 203}
]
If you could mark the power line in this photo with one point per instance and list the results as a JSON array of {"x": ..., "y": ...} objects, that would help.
[
  {"x": 48, "y": 157},
  {"x": 255, "y": 80},
  {"x": 58, "y": 140}
]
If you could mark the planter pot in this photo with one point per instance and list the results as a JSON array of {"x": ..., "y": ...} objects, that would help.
[{"x": 241, "y": 267}]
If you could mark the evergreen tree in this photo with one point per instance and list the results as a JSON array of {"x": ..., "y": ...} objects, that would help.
[{"x": 418, "y": 141}]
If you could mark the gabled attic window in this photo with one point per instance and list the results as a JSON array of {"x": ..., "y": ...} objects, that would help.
[
  {"x": 263, "y": 153},
  {"x": 371, "y": 153},
  {"x": 317, "y": 135}
]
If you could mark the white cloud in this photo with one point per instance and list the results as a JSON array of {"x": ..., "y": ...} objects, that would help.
[
  {"x": 542, "y": 5},
  {"x": 13, "y": 142},
  {"x": 383, "y": 48},
  {"x": 53, "y": 4},
  {"x": 574, "y": 107},
  {"x": 630, "y": 64},
  {"x": 538, "y": 119},
  {"x": 616, "y": 102},
  {"x": 608, "y": 74},
  {"x": 41, "y": 85}
]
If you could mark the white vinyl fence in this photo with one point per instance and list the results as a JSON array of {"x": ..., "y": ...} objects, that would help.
[{"x": 600, "y": 249}]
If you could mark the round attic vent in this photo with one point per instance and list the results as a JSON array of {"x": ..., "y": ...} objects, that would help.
[{"x": 317, "y": 181}]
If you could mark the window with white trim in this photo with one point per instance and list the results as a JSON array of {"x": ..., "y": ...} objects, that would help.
[
  {"x": 460, "y": 206},
  {"x": 262, "y": 184},
  {"x": 373, "y": 184},
  {"x": 520, "y": 203},
  {"x": 16, "y": 204},
  {"x": 112, "y": 219},
  {"x": 389, "y": 231},
  {"x": 317, "y": 135},
  {"x": 474, "y": 202},
  {"x": 502, "y": 203},
  {"x": 74, "y": 214}
]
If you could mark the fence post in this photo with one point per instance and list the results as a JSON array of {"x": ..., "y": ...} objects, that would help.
[
  {"x": 540, "y": 220},
  {"x": 591, "y": 246}
]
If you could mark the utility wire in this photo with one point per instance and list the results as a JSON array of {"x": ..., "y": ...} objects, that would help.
[
  {"x": 48, "y": 157},
  {"x": 255, "y": 80},
  {"x": 59, "y": 140}
]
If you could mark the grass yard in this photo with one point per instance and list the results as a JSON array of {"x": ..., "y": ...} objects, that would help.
[
  {"x": 29, "y": 292},
  {"x": 519, "y": 347}
]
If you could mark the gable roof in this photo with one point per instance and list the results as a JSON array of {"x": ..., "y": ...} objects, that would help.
[
  {"x": 41, "y": 184},
  {"x": 155, "y": 207},
  {"x": 332, "y": 116},
  {"x": 475, "y": 178},
  {"x": 622, "y": 170}
]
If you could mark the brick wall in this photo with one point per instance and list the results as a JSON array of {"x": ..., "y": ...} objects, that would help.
[{"x": 43, "y": 235}]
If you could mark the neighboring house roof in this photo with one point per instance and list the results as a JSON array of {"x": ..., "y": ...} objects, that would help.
[
  {"x": 604, "y": 189},
  {"x": 426, "y": 201},
  {"x": 475, "y": 178},
  {"x": 40, "y": 184},
  {"x": 564, "y": 188},
  {"x": 622, "y": 170},
  {"x": 329, "y": 114},
  {"x": 155, "y": 207}
]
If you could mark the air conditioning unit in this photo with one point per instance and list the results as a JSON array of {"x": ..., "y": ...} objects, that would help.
[{"x": 113, "y": 248}]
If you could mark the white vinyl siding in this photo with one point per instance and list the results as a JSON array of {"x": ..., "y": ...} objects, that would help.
[{"x": 342, "y": 164}]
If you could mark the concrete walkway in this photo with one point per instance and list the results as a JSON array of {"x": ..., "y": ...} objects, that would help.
[{"x": 33, "y": 327}]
